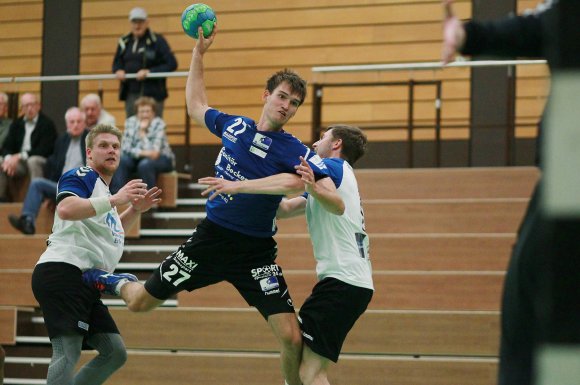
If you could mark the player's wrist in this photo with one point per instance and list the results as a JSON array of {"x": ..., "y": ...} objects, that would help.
[
  {"x": 136, "y": 209},
  {"x": 101, "y": 205}
]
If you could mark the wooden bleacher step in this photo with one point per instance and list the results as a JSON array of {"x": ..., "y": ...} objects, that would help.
[
  {"x": 237, "y": 368},
  {"x": 441, "y": 252},
  {"x": 440, "y": 241}
]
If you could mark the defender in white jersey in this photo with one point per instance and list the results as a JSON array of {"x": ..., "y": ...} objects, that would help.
[
  {"x": 88, "y": 232},
  {"x": 341, "y": 245}
]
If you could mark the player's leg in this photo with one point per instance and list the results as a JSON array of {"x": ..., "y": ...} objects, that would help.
[
  {"x": 287, "y": 332},
  {"x": 138, "y": 298},
  {"x": 313, "y": 369},
  {"x": 261, "y": 282},
  {"x": 125, "y": 285},
  {"x": 326, "y": 317},
  {"x": 524, "y": 298},
  {"x": 112, "y": 356},
  {"x": 66, "y": 303},
  {"x": 185, "y": 269},
  {"x": 66, "y": 351}
]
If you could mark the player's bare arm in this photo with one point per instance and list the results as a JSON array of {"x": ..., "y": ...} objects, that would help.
[
  {"x": 195, "y": 94},
  {"x": 322, "y": 190},
  {"x": 291, "y": 207},
  {"x": 74, "y": 208},
  {"x": 279, "y": 184}
]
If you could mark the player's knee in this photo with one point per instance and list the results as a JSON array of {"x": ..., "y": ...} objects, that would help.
[
  {"x": 291, "y": 338},
  {"x": 118, "y": 357},
  {"x": 137, "y": 306},
  {"x": 144, "y": 167}
]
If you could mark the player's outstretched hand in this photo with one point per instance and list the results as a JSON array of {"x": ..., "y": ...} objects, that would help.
[
  {"x": 306, "y": 174},
  {"x": 132, "y": 190},
  {"x": 453, "y": 33},
  {"x": 203, "y": 43},
  {"x": 218, "y": 186},
  {"x": 145, "y": 202}
]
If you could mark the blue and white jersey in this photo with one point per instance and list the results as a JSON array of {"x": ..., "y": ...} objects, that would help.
[
  {"x": 251, "y": 154},
  {"x": 95, "y": 242},
  {"x": 340, "y": 242}
]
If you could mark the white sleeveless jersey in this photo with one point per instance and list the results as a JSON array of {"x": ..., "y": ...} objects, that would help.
[
  {"x": 95, "y": 242},
  {"x": 341, "y": 245}
]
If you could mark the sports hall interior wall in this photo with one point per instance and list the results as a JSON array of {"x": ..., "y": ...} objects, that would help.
[{"x": 258, "y": 37}]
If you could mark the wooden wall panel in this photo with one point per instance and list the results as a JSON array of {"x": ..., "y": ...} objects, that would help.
[
  {"x": 258, "y": 37},
  {"x": 20, "y": 42}
]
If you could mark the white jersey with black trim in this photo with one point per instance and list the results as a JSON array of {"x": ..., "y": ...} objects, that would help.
[
  {"x": 340, "y": 243},
  {"x": 95, "y": 242}
]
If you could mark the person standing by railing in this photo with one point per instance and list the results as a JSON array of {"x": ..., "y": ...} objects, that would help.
[{"x": 142, "y": 51}]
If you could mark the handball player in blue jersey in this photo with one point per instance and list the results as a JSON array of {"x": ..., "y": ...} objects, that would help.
[
  {"x": 235, "y": 242},
  {"x": 340, "y": 242},
  {"x": 88, "y": 232}
]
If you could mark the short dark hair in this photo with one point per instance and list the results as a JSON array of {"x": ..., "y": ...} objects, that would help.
[
  {"x": 296, "y": 83},
  {"x": 354, "y": 141}
]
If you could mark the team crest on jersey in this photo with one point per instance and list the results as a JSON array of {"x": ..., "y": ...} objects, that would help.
[{"x": 262, "y": 141}]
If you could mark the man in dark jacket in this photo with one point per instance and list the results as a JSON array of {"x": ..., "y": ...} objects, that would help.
[
  {"x": 29, "y": 142},
  {"x": 140, "y": 52},
  {"x": 69, "y": 153},
  {"x": 540, "y": 305}
]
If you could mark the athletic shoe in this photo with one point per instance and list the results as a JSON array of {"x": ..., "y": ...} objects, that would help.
[
  {"x": 22, "y": 223},
  {"x": 108, "y": 283}
]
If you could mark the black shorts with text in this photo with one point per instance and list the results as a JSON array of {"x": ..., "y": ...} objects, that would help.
[
  {"x": 214, "y": 254},
  {"x": 329, "y": 313},
  {"x": 68, "y": 305}
]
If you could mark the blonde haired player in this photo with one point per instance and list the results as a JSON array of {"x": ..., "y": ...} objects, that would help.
[{"x": 88, "y": 232}]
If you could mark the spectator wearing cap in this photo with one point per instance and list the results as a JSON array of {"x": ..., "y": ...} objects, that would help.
[{"x": 140, "y": 52}]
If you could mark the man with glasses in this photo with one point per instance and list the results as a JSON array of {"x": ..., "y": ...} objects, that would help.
[{"x": 29, "y": 142}]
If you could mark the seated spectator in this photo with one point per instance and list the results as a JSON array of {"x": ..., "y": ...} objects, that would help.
[
  {"x": 144, "y": 149},
  {"x": 94, "y": 111},
  {"x": 4, "y": 120},
  {"x": 29, "y": 142},
  {"x": 69, "y": 153}
]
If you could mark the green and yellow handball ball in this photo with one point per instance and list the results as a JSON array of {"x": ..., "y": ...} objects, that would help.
[{"x": 195, "y": 16}]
